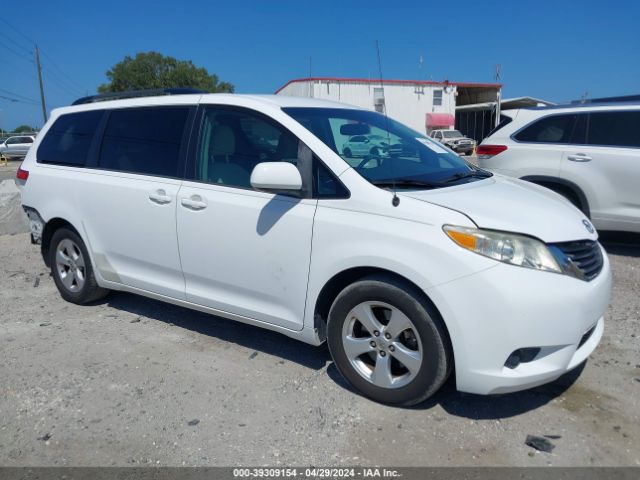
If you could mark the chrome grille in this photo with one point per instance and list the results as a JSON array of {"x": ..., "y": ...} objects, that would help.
[{"x": 583, "y": 257}]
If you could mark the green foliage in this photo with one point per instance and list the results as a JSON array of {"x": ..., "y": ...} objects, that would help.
[
  {"x": 154, "y": 70},
  {"x": 24, "y": 129}
]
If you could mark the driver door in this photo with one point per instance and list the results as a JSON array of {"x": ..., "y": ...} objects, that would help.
[{"x": 244, "y": 251}]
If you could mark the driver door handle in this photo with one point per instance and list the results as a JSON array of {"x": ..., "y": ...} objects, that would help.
[
  {"x": 194, "y": 203},
  {"x": 579, "y": 157}
]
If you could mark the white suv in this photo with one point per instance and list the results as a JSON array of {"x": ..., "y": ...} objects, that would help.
[
  {"x": 411, "y": 263},
  {"x": 588, "y": 153}
]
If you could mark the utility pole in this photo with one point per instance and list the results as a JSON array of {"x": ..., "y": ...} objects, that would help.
[
  {"x": 498, "y": 95},
  {"x": 44, "y": 108}
]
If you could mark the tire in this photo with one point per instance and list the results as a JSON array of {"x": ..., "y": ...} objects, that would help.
[
  {"x": 72, "y": 270},
  {"x": 347, "y": 153},
  {"x": 384, "y": 298}
]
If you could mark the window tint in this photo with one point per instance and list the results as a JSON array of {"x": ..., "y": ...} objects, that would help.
[
  {"x": 617, "y": 128},
  {"x": 579, "y": 136},
  {"x": 233, "y": 142},
  {"x": 326, "y": 184},
  {"x": 68, "y": 140},
  {"x": 144, "y": 140},
  {"x": 26, "y": 140},
  {"x": 551, "y": 129}
]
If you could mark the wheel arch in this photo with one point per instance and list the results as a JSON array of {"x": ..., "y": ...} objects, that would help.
[
  {"x": 341, "y": 280},
  {"x": 50, "y": 228},
  {"x": 556, "y": 183}
]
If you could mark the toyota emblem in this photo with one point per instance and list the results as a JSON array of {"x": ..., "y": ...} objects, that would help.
[{"x": 588, "y": 226}]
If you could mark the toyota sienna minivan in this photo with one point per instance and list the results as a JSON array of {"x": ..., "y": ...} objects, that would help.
[{"x": 410, "y": 262}]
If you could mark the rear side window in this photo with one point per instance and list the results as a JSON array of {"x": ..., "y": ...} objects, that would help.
[
  {"x": 551, "y": 129},
  {"x": 68, "y": 140},
  {"x": 144, "y": 140},
  {"x": 616, "y": 129}
]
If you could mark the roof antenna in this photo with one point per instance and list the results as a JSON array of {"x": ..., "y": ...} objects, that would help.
[{"x": 395, "y": 201}]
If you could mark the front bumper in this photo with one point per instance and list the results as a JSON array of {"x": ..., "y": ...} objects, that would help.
[{"x": 497, "y": 311}]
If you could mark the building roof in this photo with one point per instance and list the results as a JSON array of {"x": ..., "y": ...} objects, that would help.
[
  {"x": 506, "y": 104},
  {"x": 390, "y": 82}
]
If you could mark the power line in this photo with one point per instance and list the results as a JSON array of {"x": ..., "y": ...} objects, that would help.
[
  {"x": 13, "y": 100},
  {"x": 55, "y": 65},
  {"x": 17, "y": 95},
  {"x": 21, "y": 47},
  {"x": 15, "y": 52},
  {"x": 30, "y": 40},
  {"x": 61, "y": 82}
]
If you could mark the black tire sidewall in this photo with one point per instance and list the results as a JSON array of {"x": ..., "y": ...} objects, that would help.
[
  {"x": 434, "y": 369},
  {"x": 87, "y": 292}
]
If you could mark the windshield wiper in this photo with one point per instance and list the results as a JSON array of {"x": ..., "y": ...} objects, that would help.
[
  {"x": 406, "y": 183},
  {"x": 474, "y": 174}
]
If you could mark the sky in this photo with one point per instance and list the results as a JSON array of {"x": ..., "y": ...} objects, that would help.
[{"x": 554, "y": 50}]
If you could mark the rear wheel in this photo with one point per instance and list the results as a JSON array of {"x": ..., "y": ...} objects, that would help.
[
  {"x": 347, "y": 153},
  {"x": 387, "y": 342},
  {"x": 71, "y": 268}
]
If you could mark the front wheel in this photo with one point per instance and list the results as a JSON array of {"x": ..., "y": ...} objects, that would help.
[
  {"x": 388, "y": 342},
  {"x": 71, "y": 268}
]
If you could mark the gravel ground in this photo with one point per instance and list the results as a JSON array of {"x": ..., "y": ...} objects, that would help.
[{"x": 131, "y": 381}]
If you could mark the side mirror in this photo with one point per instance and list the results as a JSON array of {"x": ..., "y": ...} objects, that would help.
[{"x": 276, "y": 176}]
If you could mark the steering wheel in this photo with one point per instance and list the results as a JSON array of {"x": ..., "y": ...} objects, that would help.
[{"x": 367, "y": 159}]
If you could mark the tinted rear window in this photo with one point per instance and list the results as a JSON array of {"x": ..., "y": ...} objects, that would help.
[
  {"x": 144, "y": 140},
  {"x": 617, "y": 129},
  {"x": 68, "y": 140},
  {"x": 551, "y": 129}
]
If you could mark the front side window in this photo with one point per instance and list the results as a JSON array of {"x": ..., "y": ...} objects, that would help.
[
  {"x": 550, "y": 129},
  {"x": 144, "y": 140},
  {"x": 232, "y": 142},
  {"x": 404, "y": 158},
  {"x": 68, "y": 140},
  {"x": 615, "y": 129}
]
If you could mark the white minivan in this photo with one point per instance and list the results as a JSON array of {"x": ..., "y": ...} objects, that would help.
[{"x": 410, "y": 262}]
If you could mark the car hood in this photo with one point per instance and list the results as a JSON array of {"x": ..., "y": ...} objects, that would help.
[{"x": 503, "y": 203}]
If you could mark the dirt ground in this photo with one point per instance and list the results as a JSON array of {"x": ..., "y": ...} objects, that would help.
[{"x": 131, "y": 381}]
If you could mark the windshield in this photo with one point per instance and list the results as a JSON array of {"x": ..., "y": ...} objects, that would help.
[
  {"x": 452, "y": 134},
  {"x": 392, "y": 152}
]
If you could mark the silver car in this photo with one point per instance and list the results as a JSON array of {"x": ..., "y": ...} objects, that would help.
[{"x": 16, "y": 146}]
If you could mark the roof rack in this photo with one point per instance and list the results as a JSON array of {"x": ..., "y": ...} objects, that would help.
[{"x": 103, "y": 97}]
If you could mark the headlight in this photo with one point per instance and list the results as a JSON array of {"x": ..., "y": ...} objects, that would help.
[{"x": 505, "y": 247}]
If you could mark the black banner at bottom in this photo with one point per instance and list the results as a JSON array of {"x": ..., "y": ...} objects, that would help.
[{"x": 293, "y": 473}]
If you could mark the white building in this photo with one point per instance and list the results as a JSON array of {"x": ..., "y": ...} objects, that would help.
[{"x": 422, "y": 105}]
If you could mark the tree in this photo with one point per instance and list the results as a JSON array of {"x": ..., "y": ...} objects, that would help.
[
  {"x": 154, "y": 70},
  {"x": 24, "y": 129}
]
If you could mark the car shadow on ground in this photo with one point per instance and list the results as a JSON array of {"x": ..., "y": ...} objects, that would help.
[
  {"x": 485, "y": 407},
  {"x": 316, "y": 358},
  {"x": 248, "y": 336}
]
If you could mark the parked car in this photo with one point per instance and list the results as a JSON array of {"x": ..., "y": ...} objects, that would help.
[
  {"x": 455, "y": 140},
  {"x": 361, "y": 145},
  {"x": 589, "y": 154},
  {"x": 421, "y": 265},
  {"x": 16, "y": 146}
]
